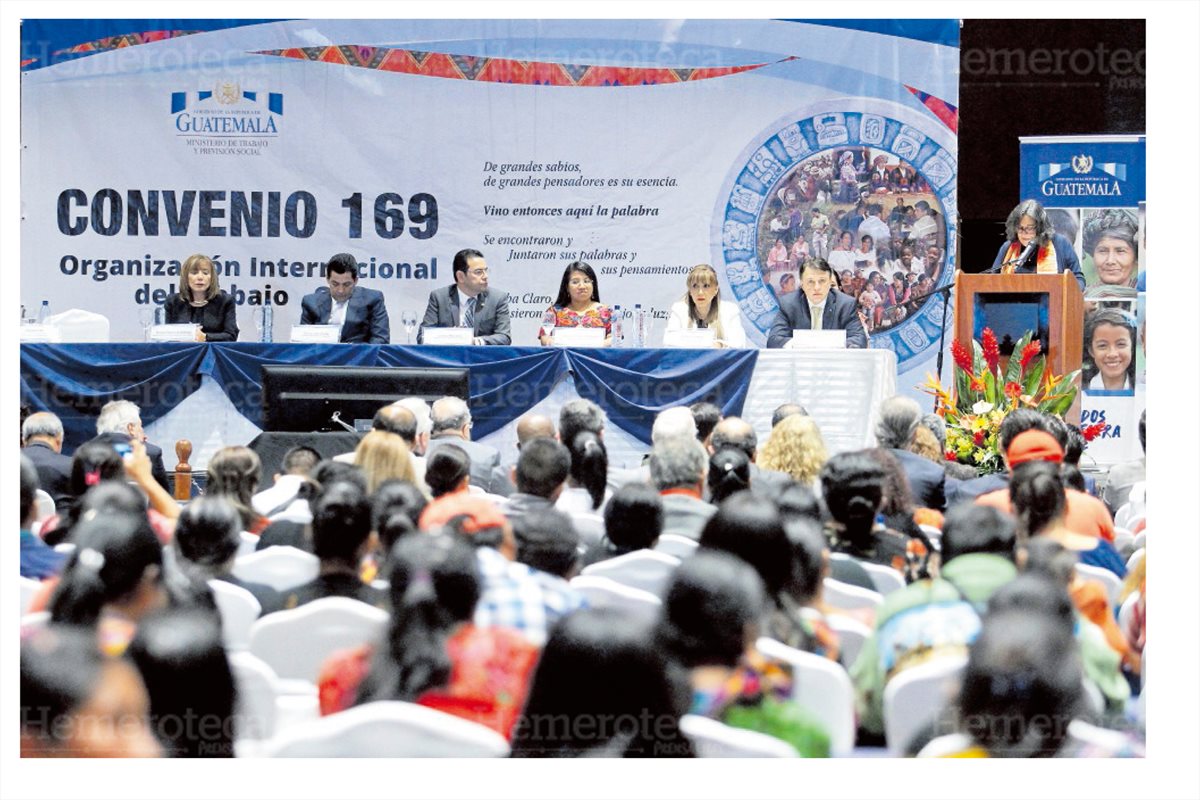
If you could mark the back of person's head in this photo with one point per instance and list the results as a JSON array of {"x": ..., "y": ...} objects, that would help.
[
  {"x": 970, "y": 528},
  {"x": 1018, "y": 421},
  {"x": 633, "y": 518},
  {"x": 446, "y": 469},
  {"x": 398, "y": 420},
  {"x": 589, "y": 465},
  {"x": 396, "y": 497},
  {"x": 751, "y": 529},
  {"x": 93, "y": 463},
  {"x": 383, "y": 456},
  {"x": 77, "y": 703},
  {"x": 473, "y": 517},
  {"x": 115, "y": 555},
  {"x": 420, "y": 409},
  {"x": 897, "y": 497},
  {"x": 1022, "y": 686},
  {"x": 547, "y": 541},
  {"x": 434, "y": 585},
  {"x": 808, "y": 558},
  {"x": 706, "y": 416},
  {"x": 899, "y": 417},
  {"x": 116, "y": 416},
  {"x": 207, "y": 532},
  {"x": 329, "y": 472},
  {"x": 1072, "y": 478},
  {"x": 233, "y": 473},
  {"x": 735, "y": 432},
  {"x": 542, "y": 467},
  {"x": 1048, "y": 558},
  {"x": 852, "y": 485},
  {"x": 937, "y": 426},
  {"x": 712, "y": 607},
  {"x": 797, "y": 501},
  {"x": 103, "y": 498},
  {"x": 677, "y": 462},
  {"x": 579, "y": 415},
  {"x": 601, "y": 664},
  {"x": 300, "y": 460},
  {"x": 41, "y": 423},
  {"x": 674, "y": 422},
  {"x": 449, "y": 414},
  {"x": 29, "y": 489},
  {"x": 1058, "y": 429},
  {"x": 728, "y": 474},
  {"x": 787, "y": 410},
  {"x": 1075, "y": 445},
  {"x": 1035, "y": 592},
  {"x": 1038, "y": 496},
  {"x": 181, "y": 657},
  {"x": 926, "y": 445},
  {"x": 341, "y": 522},
  {"x": 795, "y": 447}
]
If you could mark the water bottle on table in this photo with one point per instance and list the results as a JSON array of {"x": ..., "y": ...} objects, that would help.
[
  {"x": 43, "y": 312},
  {"x": 639, "y": 326},
  {"x": 618, "y": 330}
]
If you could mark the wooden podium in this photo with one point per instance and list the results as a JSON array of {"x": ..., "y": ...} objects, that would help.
[{"x": 1051, "y": 305}]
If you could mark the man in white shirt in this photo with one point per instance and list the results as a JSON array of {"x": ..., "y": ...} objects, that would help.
[
  {"x": 361, "y": 312},
  {"x": 278, "y": 500}
]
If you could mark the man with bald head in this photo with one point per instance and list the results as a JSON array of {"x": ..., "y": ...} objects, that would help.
[
  {"x": 452, "y": 425},
  {"x": 530, "y": 426},
  {"x": 739, "y": 434}
]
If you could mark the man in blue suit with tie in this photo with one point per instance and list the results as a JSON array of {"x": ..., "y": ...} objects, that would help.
[
  {"x": 820, "y": 301},
  {"x": 469, "y": 303},
  {"x": 360, "y": 311}
]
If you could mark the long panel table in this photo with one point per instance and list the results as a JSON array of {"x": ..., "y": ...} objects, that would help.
[{"x": 210, "y": 394}]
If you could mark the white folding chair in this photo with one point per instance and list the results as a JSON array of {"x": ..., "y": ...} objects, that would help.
[
  {"x": 713, "y": 739},
  {"x": 886, "y": 579},
  {"x": 1122, "y": 540},
  {"x": 1121, "y": 518},
  {"x": 29, "y": 588},
  {"x": 641, "y": 569},
  {"x": 44, "y": 504},
  {"x": 295, "y": 643},
  {"x": 1125, "y": 615},
  {"x": 852, "y": 635},
  {"x": 389, "y": 729},
  {"x": 281, "y": 567},
  {"x": 672, "y": 544},
  {"x": 1135, "y": 558},
  {"x": 1112, "y": 584},
  {"x": 257, "y": 696},
  {"x": 607, "y": 593},
  {"x": 248, "y": 544},
  {"x": 590, "y": 528},
  {"x": 822, "y": 688},
  {"x": 848, "y": 597},
  {"x": 916, "y": 697},
  {"x": 239, "y": 609},
  {"x": 1139, "y": 541}
]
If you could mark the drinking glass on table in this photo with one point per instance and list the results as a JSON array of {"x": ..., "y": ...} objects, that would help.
[
  {"x": 146, "y": 318},
  {"x": 409, "y": 320}
]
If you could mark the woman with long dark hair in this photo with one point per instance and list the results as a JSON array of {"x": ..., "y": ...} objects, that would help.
[
  {"x": 587, "y": 490},
  {"x": 577, "y": 305}
]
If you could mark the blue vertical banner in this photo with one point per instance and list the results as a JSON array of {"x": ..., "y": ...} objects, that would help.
[{"x": 1094, "y": 189}]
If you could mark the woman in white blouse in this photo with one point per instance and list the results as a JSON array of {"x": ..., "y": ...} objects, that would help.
[{"x": 701, "y": 307}]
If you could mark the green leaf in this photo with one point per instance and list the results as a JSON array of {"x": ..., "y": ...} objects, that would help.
[
  {"x": 989, "y": 387},
  {"x": 1033, "y": 377},
  {"x": 979, "y": 363},
  {"x": 1014, "y": 362}
]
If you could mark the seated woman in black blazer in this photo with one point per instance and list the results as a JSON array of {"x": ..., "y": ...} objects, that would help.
[{"x": 200, "y": 301}]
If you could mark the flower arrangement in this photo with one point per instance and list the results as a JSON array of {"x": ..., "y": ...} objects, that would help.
[{"x": 983, "y": 395}]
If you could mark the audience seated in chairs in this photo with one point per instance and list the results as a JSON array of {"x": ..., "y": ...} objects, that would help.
[
  {"x": 233, "y": 474},
  {"x": 283, "y": 498},
  {"x": 728, "y": 474},
  {"x": 540, "y": 476},
  {"x": 38, "y": 559},
  {"x": 678, "y": 469},
  {"x": 207, "y": 537},
  {"x": 293, "y": 532},
  {"x": 587, "y": 489},
  {"x": 633, "y": 520},
  {"x": 433, "y": 654}
]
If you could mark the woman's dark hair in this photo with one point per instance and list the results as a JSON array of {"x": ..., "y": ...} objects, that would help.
[
  {"x": 113, "y": 553},
  {"x": 1038, "y": 591},
  {"x": 1022, "y": 686},
  {"x": 93, "y": 463},
  {"x": 207, "y": 532},
  {"x": 797, "y": 501},
  {"x": 60, "y": 667},
  {"x": 808, "y": 558},
  {"x": 750, "y": 528},
  {"x": 434, "y": 587},
  {"x": 341, "y": 522},
  {"x": 712, "y": 601},
  {"x": 233, "y": 473},
  {"x": 103, "y": 498},
  {"x": 589, "y": 465},
  {"x": 395, "y": 496},
  {"x": 1072, "y": 478},
  {"x": 1038, "y": 497},
  {"x": 446, "y": 468},
  {"x": 564, "y": 292},
  {"x": 189, "y": 681},
  {"x": 1047, "y": 558},
  {"x": 601, "y": 665},
  {"x": 897, "y": 496},
  {"x": 853, "y": 487},
  {"x": 633, "y": 518},
  {"x": 728, "y": 474}
]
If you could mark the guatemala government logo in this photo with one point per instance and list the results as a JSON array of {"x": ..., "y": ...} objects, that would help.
[
  {"x": 227, "y": 119},
  {"x": 865, "y": 186}
]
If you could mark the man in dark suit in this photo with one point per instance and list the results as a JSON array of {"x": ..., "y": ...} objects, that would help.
[
  {"x": 42, "y": 437},
  {"x": 468, "y": 303},
  {"x": 452, "y": 425},
  {"x": 899, "y": 418},
  {"x": 832, "y": 309},
  {"x": 360, "y": 311},
  {"x": 120, "y": 422}
]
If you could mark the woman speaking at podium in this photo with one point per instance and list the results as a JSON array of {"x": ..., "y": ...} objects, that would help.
[
  {"x": 1033, "y": 246},
  {"x": 701, "y": 307},
  {"x": 201, "y": 301}
]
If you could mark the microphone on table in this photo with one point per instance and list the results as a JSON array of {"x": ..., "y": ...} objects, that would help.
[{"x": 337, "y": 418}]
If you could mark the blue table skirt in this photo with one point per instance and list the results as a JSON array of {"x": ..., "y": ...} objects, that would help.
[{"x": 632, "y": 386}]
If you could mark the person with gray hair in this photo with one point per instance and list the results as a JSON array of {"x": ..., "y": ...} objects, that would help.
[
  {"x": 739, "y": 434},
  {"x": 673, "y": 422},
  {"x": 452, "y": 425},
  {"x": 1031, "y": 241},
  {"x": 787, "y": 410},
  {"x": 42, "y": 442},
  {"x": 899, "y": 418},
  {"x": 679, "y": 470},
  {"x": 119, "y": 423}
]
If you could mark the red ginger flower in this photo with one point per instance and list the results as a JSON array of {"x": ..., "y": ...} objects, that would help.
[
  {"x": 991, "y": 349},
  {"x": 980, "y": 438},
  {"x": 1030, "y": 352},
  {"x": 951, "y": 455},
  {"x": 1012, "y": 389},
  {"x": 1092, "y": 431},
  {"x": 962, "y": 356}
]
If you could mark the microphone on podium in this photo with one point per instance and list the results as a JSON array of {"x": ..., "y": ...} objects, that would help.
[{"x": 1020, "y": 260}]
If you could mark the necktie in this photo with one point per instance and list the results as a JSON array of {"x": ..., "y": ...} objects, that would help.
[
  {"x": 817, "y": 312},
  {"x": 469, "y": 315}
]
